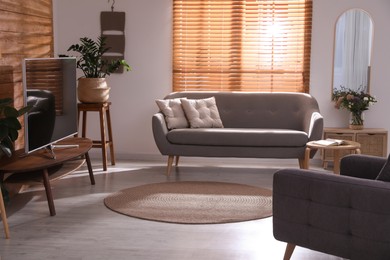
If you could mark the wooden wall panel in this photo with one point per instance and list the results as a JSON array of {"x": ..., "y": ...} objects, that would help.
[
  {"x": 26, "y": 31},
  {"x": 41, "y": 8}
]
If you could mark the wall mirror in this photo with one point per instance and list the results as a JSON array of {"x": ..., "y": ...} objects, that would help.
[{"x": 352, "y": 51}]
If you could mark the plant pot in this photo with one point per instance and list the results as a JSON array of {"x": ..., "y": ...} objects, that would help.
[{"x": 93, "y": 90}]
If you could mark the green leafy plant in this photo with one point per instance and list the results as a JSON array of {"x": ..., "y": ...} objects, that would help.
[
  {"x": 92, "y": 62},
  {"x": 9, "y": 125}
]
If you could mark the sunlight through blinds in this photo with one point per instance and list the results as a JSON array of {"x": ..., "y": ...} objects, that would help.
[{"x": 242, "y": 45}]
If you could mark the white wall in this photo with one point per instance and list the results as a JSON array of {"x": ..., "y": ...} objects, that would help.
[
  {"x": 326, "y": 12},
  {"x": 148, "y": 50}
]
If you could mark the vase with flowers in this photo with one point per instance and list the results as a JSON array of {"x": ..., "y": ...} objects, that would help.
[{"x": 355, "y": 101}]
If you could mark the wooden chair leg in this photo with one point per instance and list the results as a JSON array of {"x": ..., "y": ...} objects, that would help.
[
  {"x": 289, "y": 251},
  {"x": 177, "y": 160},
  {"x": 170, "y": 162}
]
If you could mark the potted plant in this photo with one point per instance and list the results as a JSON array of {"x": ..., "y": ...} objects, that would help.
[
  {"x": 9, "y": 125},
  {"x": 92, "y": 88}
]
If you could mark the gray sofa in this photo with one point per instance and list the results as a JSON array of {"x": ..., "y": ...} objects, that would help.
[
  {"x": 346, "y": 216},
  {"x": 256, "y": 125}
]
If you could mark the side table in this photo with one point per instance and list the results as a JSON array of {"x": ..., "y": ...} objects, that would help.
[
  {"x": 349, "y": 145},
  {"x": 105, "y": 122},
  {"x": 41, "y": 161}
]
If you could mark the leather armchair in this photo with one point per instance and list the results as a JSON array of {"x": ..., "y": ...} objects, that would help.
[{"x": 346, "y": 216}]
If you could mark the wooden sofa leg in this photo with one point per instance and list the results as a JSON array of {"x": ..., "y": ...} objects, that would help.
[
  {"x": 170, "y": 162},
  {"x": 301, "y": 163},
  {"x": 177, "y": 160},
  {"x": 289, "y": 251}
]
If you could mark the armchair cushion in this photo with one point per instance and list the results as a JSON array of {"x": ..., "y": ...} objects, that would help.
[{"x": 361, "y": 166}]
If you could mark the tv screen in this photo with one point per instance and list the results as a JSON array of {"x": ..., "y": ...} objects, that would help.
[{"x": 50, "y": 89}]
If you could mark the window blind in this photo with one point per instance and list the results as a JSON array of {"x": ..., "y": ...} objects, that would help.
[{"x": 242, "y": 45}]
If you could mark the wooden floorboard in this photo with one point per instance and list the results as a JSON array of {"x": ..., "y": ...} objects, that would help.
[{"x": 85, "y": 229}]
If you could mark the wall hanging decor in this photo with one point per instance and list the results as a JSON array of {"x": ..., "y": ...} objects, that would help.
[{"x": 113, "y": 29}]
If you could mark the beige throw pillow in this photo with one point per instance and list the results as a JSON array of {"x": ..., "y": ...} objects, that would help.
[
  {"x": 202, "y": 113},
  {"x": 173, "y": 112}
]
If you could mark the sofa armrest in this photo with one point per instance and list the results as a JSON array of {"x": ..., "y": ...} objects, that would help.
[
  {"x": 314, "y": 126},
  {"x": 361, "y": 166},
  {"x": 160, "y": 131},
  {"x": 338, "y": 215}
]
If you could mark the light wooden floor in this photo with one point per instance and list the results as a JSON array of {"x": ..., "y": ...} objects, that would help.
[{"x": 85, "y": 229}]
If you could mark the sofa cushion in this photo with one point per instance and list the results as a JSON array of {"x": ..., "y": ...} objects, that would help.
[
  {"x": 202, "y": 113},
  {"x": 384, "y": 174},
  {"x": 238, "y": 137},
  {"x": 173, "y": 112}
]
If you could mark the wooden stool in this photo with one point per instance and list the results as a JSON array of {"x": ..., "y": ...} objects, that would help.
[
  {"x": 3, "y": 215},
  {"x": 105, "y": 120}
]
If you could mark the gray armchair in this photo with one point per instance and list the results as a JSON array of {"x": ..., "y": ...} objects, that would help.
[{"x": 346, "y": 216}]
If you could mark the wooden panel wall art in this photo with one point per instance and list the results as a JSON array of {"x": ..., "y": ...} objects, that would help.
[
  {"x": 113, "y": 29},
  {"x": 26, "y": 31}
]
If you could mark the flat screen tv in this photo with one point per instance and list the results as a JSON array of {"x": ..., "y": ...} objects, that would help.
[{"x": 50, "y": 89}]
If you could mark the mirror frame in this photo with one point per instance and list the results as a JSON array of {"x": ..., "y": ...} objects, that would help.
[{"x": 370, "y": 51}]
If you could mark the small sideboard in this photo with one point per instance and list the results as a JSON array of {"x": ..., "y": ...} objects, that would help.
[{"x": 373, "y": 141}]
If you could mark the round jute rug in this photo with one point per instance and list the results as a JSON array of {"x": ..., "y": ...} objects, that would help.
[{"x": 192, "y": 202}]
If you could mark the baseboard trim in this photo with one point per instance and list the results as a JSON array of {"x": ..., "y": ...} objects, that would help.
[{"x": 158, "y": 158}]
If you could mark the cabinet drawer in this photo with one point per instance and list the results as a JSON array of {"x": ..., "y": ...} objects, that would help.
[{"x": 372, "y": 144}]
